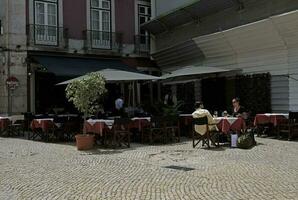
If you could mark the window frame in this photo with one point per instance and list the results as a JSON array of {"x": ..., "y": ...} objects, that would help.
[
  {"x": 147, "y": 15},
  {"x": 92, "y": 30},
  {"x": 46, "y": 2}
]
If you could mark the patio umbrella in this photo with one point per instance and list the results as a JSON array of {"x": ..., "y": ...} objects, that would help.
[{"x": 114, "y": 75}]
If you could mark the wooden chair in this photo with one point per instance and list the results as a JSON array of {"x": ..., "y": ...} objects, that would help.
[
  {"x": 264, "y": 129},
  {"x": 156, "y": 130},
  {"x": 121, "y": 131},
  {"x": 206, "y": 138},
  {"x": 290, "y": 127},
  {"x": 35, "y": 133},
  {"x": 172, "y": 128},
  {"x": 71, "y": 127},
  {"x": 4, "y": 129},
  {"x": 17, "y": 128}
]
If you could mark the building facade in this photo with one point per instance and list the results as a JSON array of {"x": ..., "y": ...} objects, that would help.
[
  {"x": 42, "y": 37},
  {"x": 251, "y": 36}
]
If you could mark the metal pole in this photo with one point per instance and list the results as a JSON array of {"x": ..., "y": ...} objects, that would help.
[{"x": 133, "y": 95}]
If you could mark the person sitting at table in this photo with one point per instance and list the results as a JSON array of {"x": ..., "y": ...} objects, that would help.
[
  {"x": 201, "y": 112},
  {"x": 238, "y": 110}
]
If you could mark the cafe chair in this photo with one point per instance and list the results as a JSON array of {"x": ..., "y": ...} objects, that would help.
[
  {"x": 172, "y": 128},
  {"x": 35, "y": 133},
  {"x": 156, "y": 131},
  {"x": 4, "y": 128},
  {"x": 17, "y": 128},
  {"x": 207, "y": 138},
  {"x": 289, "y": 127},
  {"x": 121, "y": 131},
  {"x": 71, "y": 127}
]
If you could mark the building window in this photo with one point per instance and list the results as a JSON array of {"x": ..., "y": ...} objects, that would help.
[
  {"x": 144, "y": 14},
  {"x": 101, "y": 24},
  {"x": 45, "y": 22}
]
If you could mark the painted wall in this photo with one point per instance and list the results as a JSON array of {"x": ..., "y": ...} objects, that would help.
[
  {"x": 75, "y": 17},
  {"x": 125, "y": 19}
]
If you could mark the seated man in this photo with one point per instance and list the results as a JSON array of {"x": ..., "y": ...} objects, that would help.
[{"x": 201, "y": 112}]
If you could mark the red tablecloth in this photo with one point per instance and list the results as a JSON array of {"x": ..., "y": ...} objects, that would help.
[
  {"x": 4, "y": 122},
  {"x": 140, "y": 123},
  {"x": 234, "y": 124},
  {"x": 44, "y": 124},
  {"x": 186, "y": 119},
  {"x": 274, "y": 119},
  {"x": 97, "y": 127}
]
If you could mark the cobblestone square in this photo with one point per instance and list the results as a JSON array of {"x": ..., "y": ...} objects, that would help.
[{"x": 36, "y": 170}]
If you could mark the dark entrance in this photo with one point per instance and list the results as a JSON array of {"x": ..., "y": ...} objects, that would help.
[
  {"x": 253, "y": 90},
  {"x": 214, "y": 94}
]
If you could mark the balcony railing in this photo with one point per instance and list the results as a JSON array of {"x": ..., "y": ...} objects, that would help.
[
  {"x": 42, "y": 35},
  {"x": 103, "y": 40},
  {"x": 142, "y": 45}
]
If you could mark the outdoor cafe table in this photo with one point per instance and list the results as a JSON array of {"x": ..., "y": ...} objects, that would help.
[
  {"x": 186, "y": 119},
  {"x": 226, "y": 124},
  {"x": 140, "y": 122},
  {"x": 4, "y": 123},
  {"x": 98, "y": 126},
  {"x": 45, "y": 124},
  {"x": 271, "y": 118}
]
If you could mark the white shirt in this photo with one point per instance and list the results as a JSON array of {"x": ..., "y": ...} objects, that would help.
[
  {"x": 201, "y": 129},
  {"x": 119, "y": 103},
  {"x": 174, "y": 99}
]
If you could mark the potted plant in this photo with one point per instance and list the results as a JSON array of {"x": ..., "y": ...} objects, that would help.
[{"x": 86, "y": 95}]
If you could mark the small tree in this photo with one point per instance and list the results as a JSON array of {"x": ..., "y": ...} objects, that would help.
[{"x": 86, "y": 93}]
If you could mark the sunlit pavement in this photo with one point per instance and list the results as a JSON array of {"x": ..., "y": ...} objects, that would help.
[{"x": 37, "y": 170}]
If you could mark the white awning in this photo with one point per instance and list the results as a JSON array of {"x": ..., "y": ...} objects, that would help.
[
  {"x": 117, "y": 75},
  {"x": 193, "y": 70}
]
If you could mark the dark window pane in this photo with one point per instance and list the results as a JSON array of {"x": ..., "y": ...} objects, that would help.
[
  {"x": 142, "y": 20},
  {"x": 142, "y": 10}
]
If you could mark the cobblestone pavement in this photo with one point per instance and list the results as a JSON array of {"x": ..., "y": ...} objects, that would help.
[{"x": 36, "y": 170}]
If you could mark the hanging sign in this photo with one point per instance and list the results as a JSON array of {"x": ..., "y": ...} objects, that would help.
[{"x": 12, "y": 82}]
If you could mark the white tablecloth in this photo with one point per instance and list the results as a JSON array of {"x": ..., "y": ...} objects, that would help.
[
  {"x": 44, "y": 119},
  {"x": 231, "y": 120},
  {"x": 108, "y": 122},
  {"x": 141, "y": 118},
  {"x": 185, "y": 115},
  {"x": 286, "y": 115}
]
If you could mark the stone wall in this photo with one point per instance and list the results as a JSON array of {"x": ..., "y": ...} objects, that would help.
[{"x": 13, "y": 55}]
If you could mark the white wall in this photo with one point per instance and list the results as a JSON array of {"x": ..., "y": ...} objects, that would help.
[
  {"x": 164, "y": 6},
  {"x": 269, "y": 45}
]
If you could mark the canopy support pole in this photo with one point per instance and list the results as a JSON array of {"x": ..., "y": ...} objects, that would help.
[
  {"x": 133, "y": 94},
  {"x": 139, "y": 93}
]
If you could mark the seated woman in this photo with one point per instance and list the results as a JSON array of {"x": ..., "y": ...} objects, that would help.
[
  {"x": 238, "y": 110},
  {"x": 201, "y": 112}
]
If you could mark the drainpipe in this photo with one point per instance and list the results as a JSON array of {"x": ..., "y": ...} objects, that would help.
[{"x": 8, "y": 56}]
